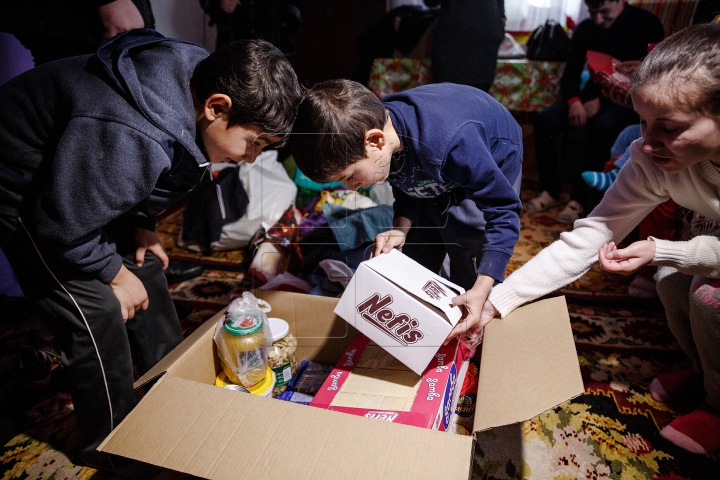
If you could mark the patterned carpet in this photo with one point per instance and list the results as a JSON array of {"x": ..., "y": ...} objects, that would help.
[{"x": 612, "y": 431}]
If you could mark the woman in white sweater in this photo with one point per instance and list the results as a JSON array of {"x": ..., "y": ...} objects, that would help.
[{"x": 676, "y": 92}]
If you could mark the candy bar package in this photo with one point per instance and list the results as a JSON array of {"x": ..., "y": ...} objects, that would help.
[
  {"x": 295, "y": 397},
  {"x": 309, "y": 377}
]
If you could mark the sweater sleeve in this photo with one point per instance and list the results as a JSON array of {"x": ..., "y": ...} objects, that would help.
[
  {"x": 636, "y": 191},
  {"x": 470, "y": 164},
  {"x": 93, "y": 179},
  {"x": 698, "y": 256}
]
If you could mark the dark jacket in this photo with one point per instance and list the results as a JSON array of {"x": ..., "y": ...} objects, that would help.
[
  {"x": 86, "y": 139},
  {"x": 467, "y": 36},
  {"x": 626, "y": 39},
  {"x": 459, "y": 136}
]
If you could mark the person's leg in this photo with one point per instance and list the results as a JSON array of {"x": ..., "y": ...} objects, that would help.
[
  {"x": 673, "y": 288},
  {"x": 547, "y": 130},
  {"x": 699, "y": 430},
  {"x": 84, "y": 315},
  {"x": 705, "y": 325},
  {"x": 154, "y": 332},
  {"x": 603, "y": 130}
]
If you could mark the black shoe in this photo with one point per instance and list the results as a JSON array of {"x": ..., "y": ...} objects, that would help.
[
  {"x": 179, "y": 271},
  {"x": 34, "y": 366}
]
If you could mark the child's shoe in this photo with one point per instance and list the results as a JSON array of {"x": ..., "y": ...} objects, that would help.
[
  {"x": 696, "y": 432},
  {"x": 600, "y": 180},
  {"x": 673, "y": 387},
  {"x": 540, "y": 203},
  {"x": 572, "y": 211}
]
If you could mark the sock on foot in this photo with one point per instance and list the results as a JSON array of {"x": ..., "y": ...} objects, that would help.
[
  {"x": 600, "y": 180},
  {"x": 696, "y": 432}
]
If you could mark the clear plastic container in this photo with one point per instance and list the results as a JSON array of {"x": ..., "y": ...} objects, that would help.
[
  {"x": 281, "y": 354},
  {"x": 242, "y": 343}
]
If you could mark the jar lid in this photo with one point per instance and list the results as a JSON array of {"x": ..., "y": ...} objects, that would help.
[
  {"x": 278, "y": 328},
  {"x": 244, "y": 324}
]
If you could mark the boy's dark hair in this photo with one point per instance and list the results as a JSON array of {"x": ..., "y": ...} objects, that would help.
[
  {"x": 597, "y": 3},
  {"x": 258, "y": 79},
  {"x": 691, "y": 56},
  {"x": 329, "y": 131}
]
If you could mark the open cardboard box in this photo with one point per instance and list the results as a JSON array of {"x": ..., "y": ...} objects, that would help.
[{"x": 185, "y": 423}]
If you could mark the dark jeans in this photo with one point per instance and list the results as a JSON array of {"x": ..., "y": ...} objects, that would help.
[
  {"x": 582, "y": 150},
  {"x": 84, "y": 314}
]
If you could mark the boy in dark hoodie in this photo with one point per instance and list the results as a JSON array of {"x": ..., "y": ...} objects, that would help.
[
  {"x": 92, "y": 149},
  {"x": 452, "y": 154}
]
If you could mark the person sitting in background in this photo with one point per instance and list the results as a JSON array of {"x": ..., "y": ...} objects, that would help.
[{"x": 587, "y": 121}]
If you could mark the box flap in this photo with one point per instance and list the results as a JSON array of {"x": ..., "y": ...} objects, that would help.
[
  {"x": 529, "y": 364},
  {"x": 202, "y": 362},
  {"x": 417, "y": 280},
  {"x": 220, "y": 434}
]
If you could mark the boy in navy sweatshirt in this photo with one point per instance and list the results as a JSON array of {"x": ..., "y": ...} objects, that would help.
[
  {"x": 452, "y": 154},
  {"x": 92, "y": 149}
]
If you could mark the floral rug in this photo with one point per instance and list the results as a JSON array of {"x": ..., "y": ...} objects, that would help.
[{"x": 612, "y": 430}]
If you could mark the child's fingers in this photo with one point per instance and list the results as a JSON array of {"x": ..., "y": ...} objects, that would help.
[{"x": 140, "y": 256}]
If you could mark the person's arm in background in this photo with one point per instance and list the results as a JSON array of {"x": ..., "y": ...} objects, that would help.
[
  {"x": 119, "y": 16},
  {"x": 578, "y": 111}
]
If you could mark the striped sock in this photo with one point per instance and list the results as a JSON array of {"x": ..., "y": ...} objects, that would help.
[{"x": 600, "y": 180}]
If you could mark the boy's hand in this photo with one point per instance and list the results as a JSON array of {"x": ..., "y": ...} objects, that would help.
[
  {"x": 394, "y": 238},
  {"x": 628, "y": 260},
  {"x": 148, "y": 240},
  {"x": 130, "y": 292},
  {"x": 386, "y": 241},
  {"x": 592, "y": 108},
  {"x": 577, "y": 116},
  {"x": 478, "y": 311}
]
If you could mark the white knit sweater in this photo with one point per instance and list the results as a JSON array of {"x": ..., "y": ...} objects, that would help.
[{"x": 640, "y": 186}]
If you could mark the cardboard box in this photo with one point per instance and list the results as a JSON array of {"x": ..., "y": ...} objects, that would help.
[
  {"x": 369, "y": 382},
  {"x": 185, "y": 423},
  {"x": 401, "y": 306}
]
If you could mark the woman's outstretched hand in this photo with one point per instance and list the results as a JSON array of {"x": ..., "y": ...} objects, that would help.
[{"x": 626, "y": 261}]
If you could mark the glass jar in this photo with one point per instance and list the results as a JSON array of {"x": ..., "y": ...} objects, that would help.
[
  {"x": 244, "y": 340},
  {"x": 281, "y": 355}
]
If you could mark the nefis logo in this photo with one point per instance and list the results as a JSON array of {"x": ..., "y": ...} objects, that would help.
[
  {"x": 401, "y": 327},
  {"x": 434, "y": 290},
  {"x": 384, "y": 416}
]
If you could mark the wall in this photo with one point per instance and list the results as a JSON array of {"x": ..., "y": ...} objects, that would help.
[{"x": 183, "y": 19}]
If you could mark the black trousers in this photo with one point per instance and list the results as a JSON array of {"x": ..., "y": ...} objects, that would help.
[
  {"x": 582, "y": 150},
  {"x": 84, "y": 314}
]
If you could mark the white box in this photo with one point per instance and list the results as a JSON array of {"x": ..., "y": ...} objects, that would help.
[{"x": 401, "y": 306}]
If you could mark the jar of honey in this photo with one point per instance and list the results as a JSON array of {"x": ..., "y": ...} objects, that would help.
[{"x": 242, "y": 347}]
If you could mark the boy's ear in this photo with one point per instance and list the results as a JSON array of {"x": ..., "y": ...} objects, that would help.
[
  {"x": 216, "y": 106},
  {"x": 375, "y": 138}
]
